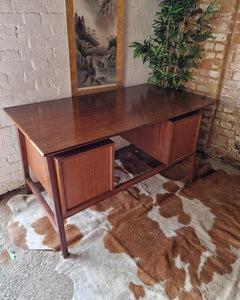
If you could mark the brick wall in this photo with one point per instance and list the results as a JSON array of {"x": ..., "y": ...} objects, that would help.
[
  {"x": 218, "y": 76},
  {"x": 225, "y": 140},
  {"x": 34, "y": 63},
  {"x": 33, "y": 67},
  {"x": 137, "y": 27}
]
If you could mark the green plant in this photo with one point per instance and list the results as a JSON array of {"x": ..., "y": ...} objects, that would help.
[{"x": 172, "y": 53}]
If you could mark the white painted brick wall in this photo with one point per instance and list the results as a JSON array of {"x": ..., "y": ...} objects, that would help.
[
  {"x": 34, "y": 63},
  {"x": 138, "y": 19},
  {"x": 29, "y": 42}
]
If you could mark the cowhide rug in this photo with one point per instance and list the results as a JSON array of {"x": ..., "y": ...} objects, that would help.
[{"x": 160, "y": 239}]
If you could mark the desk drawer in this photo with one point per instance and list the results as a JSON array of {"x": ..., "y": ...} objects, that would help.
[
  {"x": 167, "y": 141},
  {"x": 180, "y": 137},
  {"x": 85, "y": 173}
]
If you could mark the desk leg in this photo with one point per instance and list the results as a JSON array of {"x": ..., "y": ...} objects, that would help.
[
  {"x": 57, "y": 207},
  {"x": 192, "y": 167},
  {"x": 22, "y": 144}
]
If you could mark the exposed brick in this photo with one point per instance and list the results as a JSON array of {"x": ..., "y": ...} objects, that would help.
[
  {"x": 220, "y": 37},
  {"x": 204, "y": 127},
  {"x": 220, "y": 141},
  {"x": 238, "y": 27},
  {"x": 219, "y": 47},
  {"x": 230, "y": 118},
  {"x": 199, "y": 79},
  {"x": 209, "y": 46},
  {"x": 225, "y": 125},
  {"x": 207, "y": 114},
  {"x": 210, "y": 55},
  {"x": 201, "y": 143},
  {"x": 236, "y": 76},
  {"x": 220, "y": 56},
  {"x": 220, "y": 106},
  {"x": 235, "y": 65},
  {"x": 224, "y": 27},
  {"x": 231, "y": 142},
  {"x": 221, "y": 115},
  {"x": 237, "y": 57},
  {"x": 224, "y": 16},
  {"x": 206, "y": 64},
  {"x": 229, "y": 109},
  {"x": 214, "y": 74},
  {"x": 232, "y": 85},
  {"x": 223, "y": 132},
  {"x": 202, "y": 88}
]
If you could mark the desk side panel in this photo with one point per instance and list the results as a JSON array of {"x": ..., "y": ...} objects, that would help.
[
  {"x": 145, "y": 138},
  {"x": 38, "y": 165}
]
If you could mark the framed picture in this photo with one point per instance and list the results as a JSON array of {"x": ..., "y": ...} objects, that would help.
[{"x": 95, "y": 37}]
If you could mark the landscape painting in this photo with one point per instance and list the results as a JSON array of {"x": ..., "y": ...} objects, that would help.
[{"x": 95, "y": 29}]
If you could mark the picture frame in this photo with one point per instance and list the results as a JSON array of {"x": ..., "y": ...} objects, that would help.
[{"x": 95, "y": 53}]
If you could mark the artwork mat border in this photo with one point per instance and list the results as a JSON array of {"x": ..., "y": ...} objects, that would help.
[{"x": 72, "y": 52}]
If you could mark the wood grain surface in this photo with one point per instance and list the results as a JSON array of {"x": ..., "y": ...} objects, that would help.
[
  {"x": 56, "y": 125},
  {"x": 85, "y": 173}
]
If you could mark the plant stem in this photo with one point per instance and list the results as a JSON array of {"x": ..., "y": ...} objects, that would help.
[{"x": 168, "y": 28}]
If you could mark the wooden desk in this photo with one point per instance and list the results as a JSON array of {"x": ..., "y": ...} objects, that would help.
[{"x": 66, "y": 142}]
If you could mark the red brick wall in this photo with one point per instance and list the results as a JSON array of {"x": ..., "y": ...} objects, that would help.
[{"x": 218, "y": 76}]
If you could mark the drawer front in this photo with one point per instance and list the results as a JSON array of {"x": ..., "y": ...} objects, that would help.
[
  {"x": 184, "y": 138},
  {"x": 85, "y": 174}
]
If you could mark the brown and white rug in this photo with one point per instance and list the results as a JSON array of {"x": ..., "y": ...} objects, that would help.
[{"x": 160, "y": 239}]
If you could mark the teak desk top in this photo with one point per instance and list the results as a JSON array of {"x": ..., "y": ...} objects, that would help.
[{"x": 61, "y": 124}]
